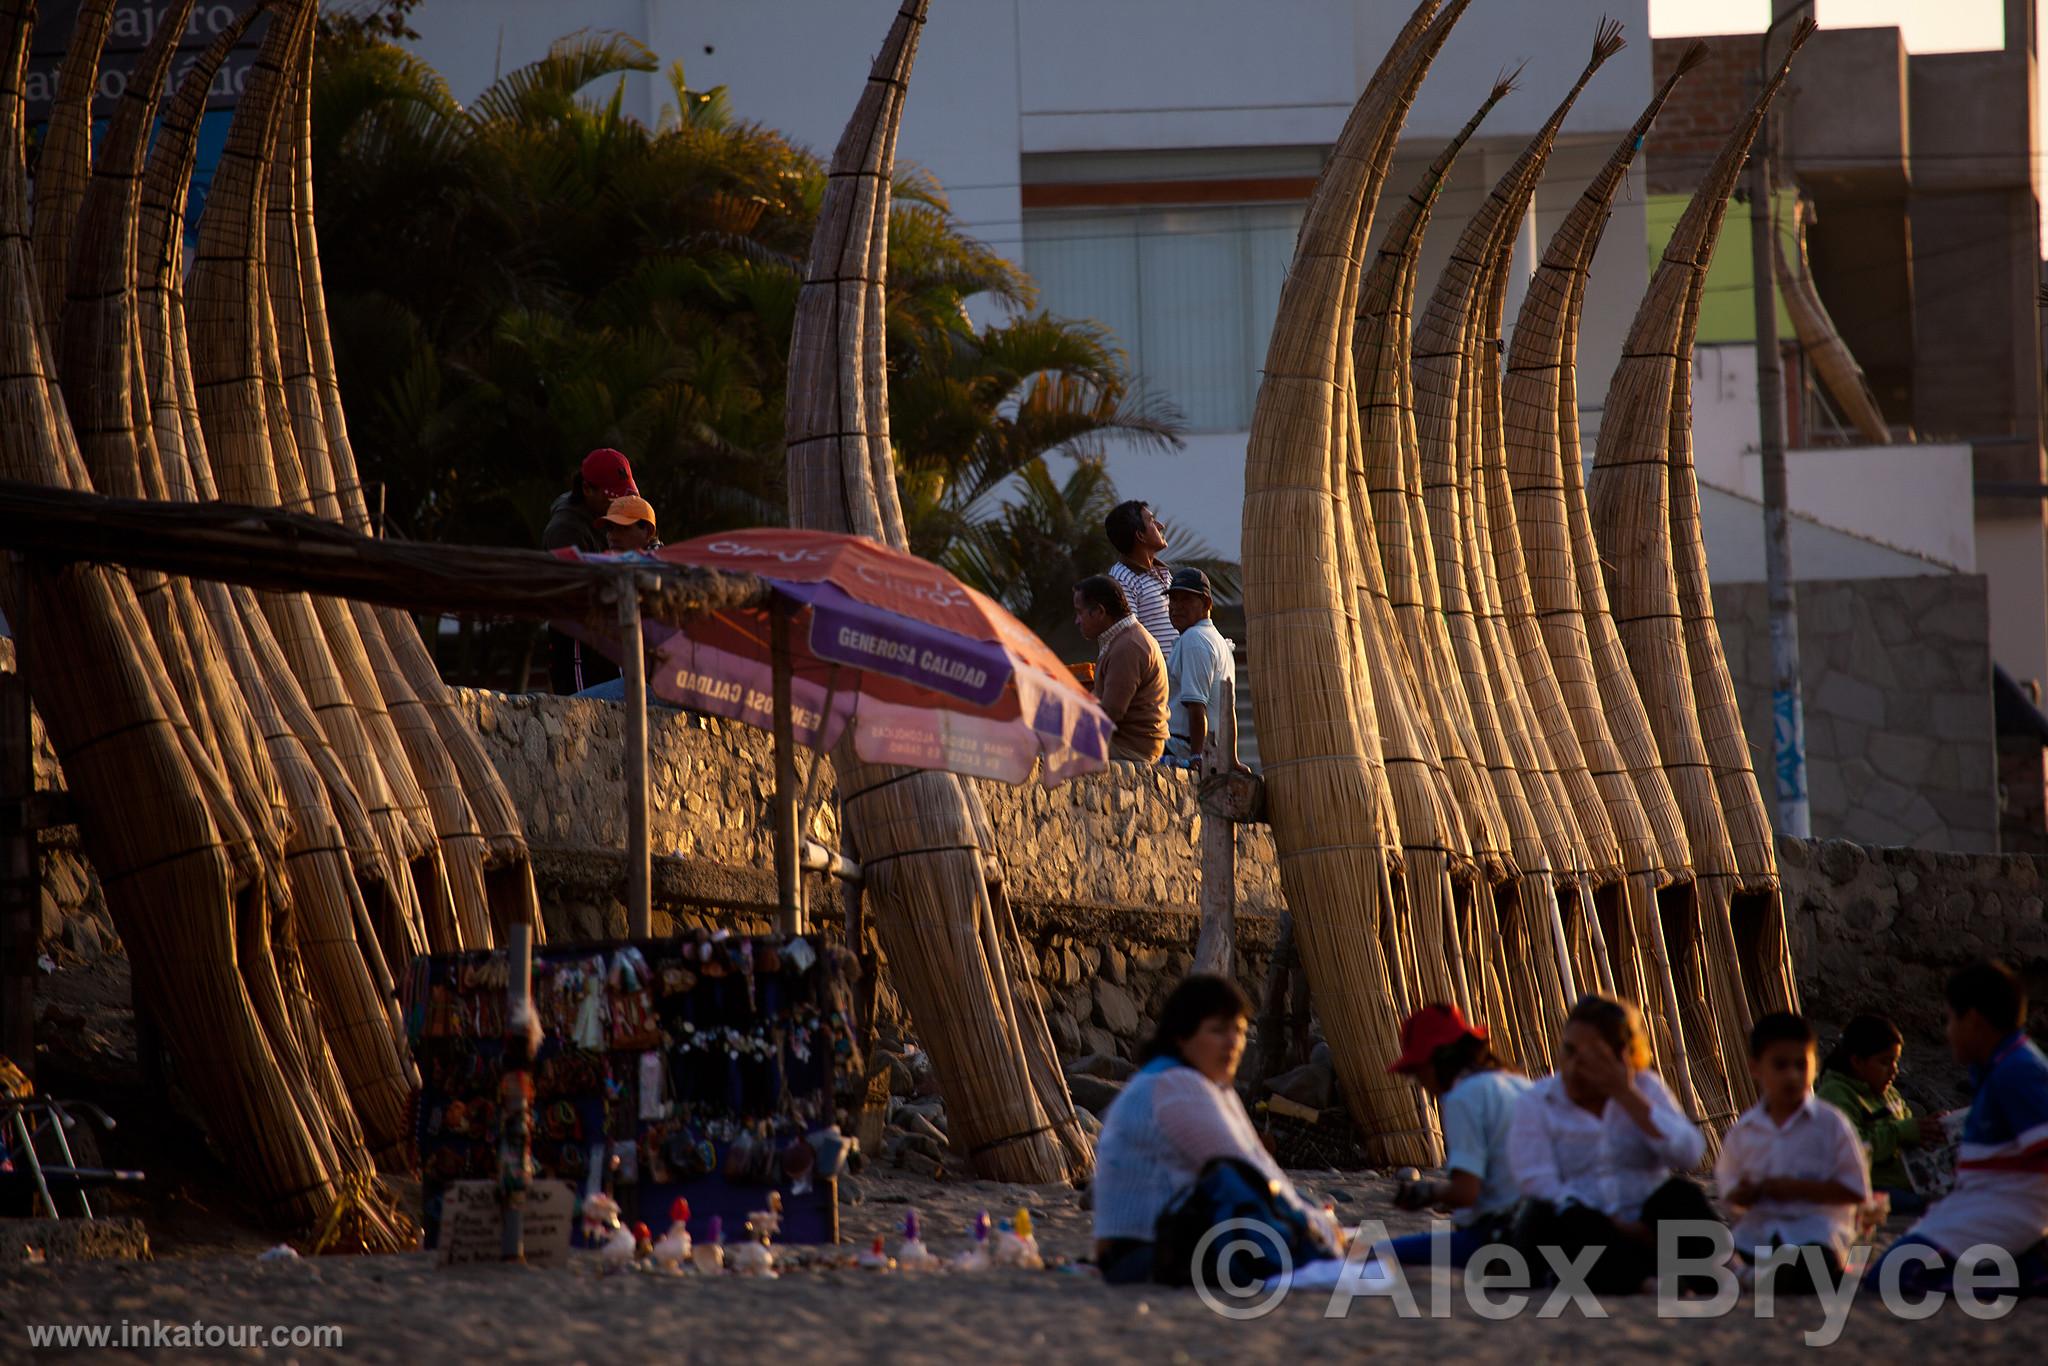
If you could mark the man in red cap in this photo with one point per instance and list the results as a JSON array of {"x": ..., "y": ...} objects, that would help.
[{"x": 604, "y": 475}]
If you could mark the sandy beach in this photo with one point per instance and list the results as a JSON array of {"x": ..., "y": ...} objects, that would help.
[{"x": 406, "y": 1308}]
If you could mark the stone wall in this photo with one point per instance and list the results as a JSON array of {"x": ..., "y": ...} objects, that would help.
[
  {"x": 1122, "y": 840},
  {"x": 1104, "y": 874},
  {"x": 1879, "y": 930},
  {"x": 1895, "y": 676}
]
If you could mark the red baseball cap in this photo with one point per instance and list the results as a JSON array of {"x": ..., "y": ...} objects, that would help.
[
  {"x": 609, "y": 472},
  {"x": 1429, "y": 1029}
]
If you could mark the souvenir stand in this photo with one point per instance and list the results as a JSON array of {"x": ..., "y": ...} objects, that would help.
[{"x": 697, "y": 1068}]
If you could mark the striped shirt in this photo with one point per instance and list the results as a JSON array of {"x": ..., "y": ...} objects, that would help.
[{"x": 1146, "y": 589}]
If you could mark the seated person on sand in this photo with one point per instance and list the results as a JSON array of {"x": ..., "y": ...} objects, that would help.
[
  {"x": 2000, "y": 1199},
  {"x": 1857, "y": 1080},
  {"x": 1130, "y": 675},
  {"x": 1450, "y": 1059},
  {"x": 1596, "y": 1147},
  {"x": 1791, "y": 1165},
  {"x": 1179, "y": 1114}
]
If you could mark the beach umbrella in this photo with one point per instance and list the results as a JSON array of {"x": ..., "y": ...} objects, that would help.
[{"x": 927, "y": 672}]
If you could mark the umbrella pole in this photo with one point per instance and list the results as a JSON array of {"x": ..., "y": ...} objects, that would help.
[
  {"x": 789, "y": 912},
  {"x": 639, "y": 859}
]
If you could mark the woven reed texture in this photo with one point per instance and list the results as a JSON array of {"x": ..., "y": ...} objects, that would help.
[
  {"x": 1385, "y": 499},
  {"x": 187, "y": 891},
  {"x": 921, "y": 834},
  {"x": 1632, "y": 504},
  {"x": 1327, "y": 792},
  {"x": 1825, "y": 350},
  {"x": 64, "y": 164},
  {"x": 1446, "y": 402},
  {"x": 248, "y": 441},
  {"x": 1540, "y": 417}
]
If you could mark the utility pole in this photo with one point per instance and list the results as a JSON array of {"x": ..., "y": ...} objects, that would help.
[{"x": 1788, "y": 715}]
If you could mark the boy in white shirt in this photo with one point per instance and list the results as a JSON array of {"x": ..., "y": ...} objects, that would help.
[{"x": 1791, "y": 1167}]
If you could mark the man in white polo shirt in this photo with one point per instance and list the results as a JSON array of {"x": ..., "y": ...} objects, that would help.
[{"x": 1200, "y": 656}]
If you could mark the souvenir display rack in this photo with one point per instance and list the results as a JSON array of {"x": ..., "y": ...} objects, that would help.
[{"x": 692, "y": 1067}]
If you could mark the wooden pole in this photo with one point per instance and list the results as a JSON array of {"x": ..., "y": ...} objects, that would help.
[
  {"x": 21, "y": 877},
  {"x": 1215, "y": 950},
  {"x": 639, "y": 857},
  {"x": 789, "y": 914}
]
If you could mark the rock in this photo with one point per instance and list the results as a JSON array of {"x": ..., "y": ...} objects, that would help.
[
  {"x": 901, "y": 1081},
  {"x": 1066, "y": 1035},
  {"x": 1094, "y": 1093},
  {"x": 1096, "y": 1039},
  {"x": 1149, "y": 960},
  {"x": 1108, "y": 1067},
  {"x": 1114, "y": 1008},
  {"x": 82, "y": 937},
  {"x": 1113, "y": 964},
  {"x": 1311, "y": 1084},
  {"x": 1092, "y": 1126},
  {"x": 50, "y": 928}
]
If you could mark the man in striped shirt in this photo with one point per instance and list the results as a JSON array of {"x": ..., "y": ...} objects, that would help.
[{"x": 1144, "y": 577}]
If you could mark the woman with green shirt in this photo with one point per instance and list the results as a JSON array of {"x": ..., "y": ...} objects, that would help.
[{"x": 1857, "y": 1080}]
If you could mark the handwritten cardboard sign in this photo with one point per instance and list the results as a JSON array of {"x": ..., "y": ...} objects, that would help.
[{"x": 473, "y": 1223}]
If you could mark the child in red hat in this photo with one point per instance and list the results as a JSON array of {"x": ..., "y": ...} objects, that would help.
[{"x": 1449, "y": 1058}]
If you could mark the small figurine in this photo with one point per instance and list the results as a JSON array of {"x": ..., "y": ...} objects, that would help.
[
  {"x": 914, "y": 1255},
  {"x": 752, "y": 1256},
  {"x": 1024, "y": 1247},
  {"x": 875, "y": 1259},
  {"x": 643, "y": 1245},
  {"x": 976, "y": 1257},
  {"x": 672, "y": 1251},
  {"x": 710, "y": 1254},
  {"x": 600, "y": 1216},
  {"x": 618, "y": 1249},
  {"x": 767, "y": 1222},
  {"x": 590, "y": 1015}
]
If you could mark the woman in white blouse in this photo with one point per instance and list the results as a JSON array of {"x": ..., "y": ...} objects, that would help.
[
  {"x": 1597, "y": 1145},
  {"x": 1179, "y": 1113}
]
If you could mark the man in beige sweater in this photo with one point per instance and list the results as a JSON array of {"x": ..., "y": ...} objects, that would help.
[{"x": 1130, "y": 675}]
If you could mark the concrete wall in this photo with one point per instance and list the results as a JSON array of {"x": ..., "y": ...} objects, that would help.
[{"x": 1895, "y": 676}]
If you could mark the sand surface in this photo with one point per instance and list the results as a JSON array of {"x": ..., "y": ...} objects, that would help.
[{"x": 406, "y": 1309}]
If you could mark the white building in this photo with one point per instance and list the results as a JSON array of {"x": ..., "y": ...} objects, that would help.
[{"x": 1146, "y": 160}]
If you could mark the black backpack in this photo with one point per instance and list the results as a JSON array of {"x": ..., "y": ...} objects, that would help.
[{"x": 1271, "y": 1235}]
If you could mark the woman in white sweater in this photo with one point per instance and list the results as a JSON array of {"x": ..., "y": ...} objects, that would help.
[
  {"x": 1597, "y": 1147},
  {"x": 1178, "y": 1114}
]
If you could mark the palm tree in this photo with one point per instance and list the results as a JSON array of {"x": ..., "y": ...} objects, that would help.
[{"x": 516, "y": 281}]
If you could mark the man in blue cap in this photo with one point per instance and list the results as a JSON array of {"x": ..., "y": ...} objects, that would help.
[{"x": 1201, "y": 655}]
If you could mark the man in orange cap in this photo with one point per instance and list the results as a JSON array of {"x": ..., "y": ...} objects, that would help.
[
  {"x": 629, "y": 525},
  {"x": 604, "y": 475}
]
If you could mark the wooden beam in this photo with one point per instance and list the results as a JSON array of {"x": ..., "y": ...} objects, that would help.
[{"x": 284, "y": 552}]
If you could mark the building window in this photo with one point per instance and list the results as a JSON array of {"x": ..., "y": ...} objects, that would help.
[{"x": 1190, "y": 293}]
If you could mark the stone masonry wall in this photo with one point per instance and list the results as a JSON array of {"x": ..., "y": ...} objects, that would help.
[
  {"x": 1104, "y": 875},
  {"x": 1895, "y": 677}
]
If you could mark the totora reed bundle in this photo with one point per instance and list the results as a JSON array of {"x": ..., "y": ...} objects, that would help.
[
  {"x": 933, "y": 885},
  {"x": 1502, "y": 767},
  {"x": 278, "y": 795}
]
